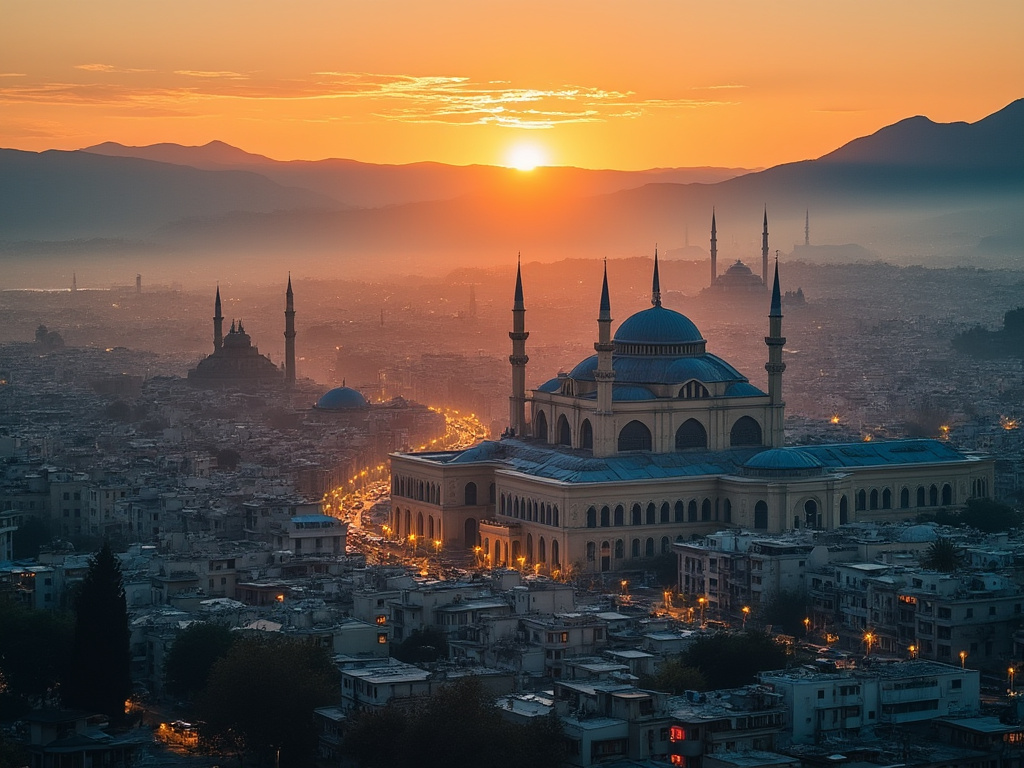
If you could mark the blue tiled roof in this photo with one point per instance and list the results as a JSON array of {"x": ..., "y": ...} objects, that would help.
[
  {"x": 657, "y": 325},
  {"x": 551, "y": 385},
  {"x": 880, "y": 452},
  {"x": 632, "y": 393},
  {"x": 742, "y": 389},
  {"x": 340, "y": 399},
  {"x": 663, "y": 370}
]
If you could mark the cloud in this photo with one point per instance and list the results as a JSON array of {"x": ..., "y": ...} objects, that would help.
[
  {"x": 108, "y": 68},
  {"x": 213, "y": 75},
  {"x": 12, "y": 74}
]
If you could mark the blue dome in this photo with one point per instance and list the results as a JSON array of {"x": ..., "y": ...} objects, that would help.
[
  {"x": 707, "y": 368},
  {"x": 658, "y": 325},
  {"x": 783, "y": 458},
  {"x": 341, "y": 399}
]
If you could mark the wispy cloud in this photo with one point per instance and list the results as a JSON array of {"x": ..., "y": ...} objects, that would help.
[
  {"x": 438, "y": 99},
  {"x": 12, "y": 74},
  {"x": 109, "y": 68}
]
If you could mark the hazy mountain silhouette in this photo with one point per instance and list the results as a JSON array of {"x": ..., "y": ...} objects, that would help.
[
  {"x": 370, "y": 185},
  {"x": 882, "y": 190},
  {"x": 52, "y": 195}
]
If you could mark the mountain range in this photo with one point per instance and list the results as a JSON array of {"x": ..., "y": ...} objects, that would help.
[{"x": 913, "y": 188}]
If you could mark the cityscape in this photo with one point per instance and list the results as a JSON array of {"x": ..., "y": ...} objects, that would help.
[{"x": 463, "y": 386}]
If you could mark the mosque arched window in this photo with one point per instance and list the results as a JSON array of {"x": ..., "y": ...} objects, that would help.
[
  {"x": 727, "y": 511},
  {"x": 606, "y": 515},
  {"x": 693, "y": 390},
  {"x": 554, "y": 553},
  {"x": 586, "y": 436},
  {"x": 691, "y": 511},
  {"x": 761, "y": 516},
  {"x": 592, "y": 518},
  {"x": 652, "y": 514},
  {"x": 649, "y": 547},
  {"x": 947, "y": 494},
  {"x": 679, "y": 511},
  {"x": 540, "y": 426},
  {"x": 491, "y": 493},
  {"x": 620, "y": 549},
  {"x": 620, "y": 515},
  {"x": 529, "y": 547},
  {"x": 564, "y": 433},
  {"x": 470, "y": 494},
  {"x": 874, "y": 498},
  {"x": 635, "y": 515},
  {"x": 933, "y": 496},
  {"x": 746, "y": 431},
  {"x": 920, "y": 495},
  {"x": 705, "y": 510},
  {"x": 666, "y": 545},
  {"x": 691, "y": 434},
  {"x": 886, "y": 498},
  {"x": 634, "y": 548},
  {"x": 542, "y": 551},
  {"x": 862, "y": 499},
  {"x": 554, "y": 516},
  {"x": 635, "y": 436},
  {"x": 666, "y": 512},
  {"x": 905, "y": 498},
  {"x": 591, "y": 551},
  {"x": 844, "y": 510},
  {"x": 811, "y": 517}
]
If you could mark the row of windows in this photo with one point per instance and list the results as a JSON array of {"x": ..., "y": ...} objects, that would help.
[
  {"x": 636, "y": 436},
  {"x": 637, "y": 548},
  {"x": 652, "y": 515},
  {"x": 930, "y": 497},
  {"x": 497, "y": 553},
  {"x": 529, "y": 510},
  {"x": 429, "y": 492}
]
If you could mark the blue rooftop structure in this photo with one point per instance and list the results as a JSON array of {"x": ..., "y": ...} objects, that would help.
[{"x": 341, "y": 399}]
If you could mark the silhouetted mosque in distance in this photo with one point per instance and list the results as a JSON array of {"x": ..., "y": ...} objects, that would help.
[{"x": 236, "y": 362}]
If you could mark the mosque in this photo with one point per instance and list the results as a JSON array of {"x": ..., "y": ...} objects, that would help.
[
  {"x": 738, "y": 279},
  {"x": 654, "y": 440},
  {"x": 236, "y": 363}
]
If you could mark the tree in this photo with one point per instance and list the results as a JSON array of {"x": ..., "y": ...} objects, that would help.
[
  {"x": 192, "y": 656},
  {"x": 785, "y": 610},
  {"x": 732, "y": 660},
  {"x": 99, "y": 675},
  {"x": 942, "y": 555},
  {"x": 262, "y": 693},
  {"x": 422, "y": 647},
  {"x": 34, "y": 647},
  {"x": 32, "y": 534},
  {"x": 990, "y": 516},
  {"x": 675, "y": 677}
]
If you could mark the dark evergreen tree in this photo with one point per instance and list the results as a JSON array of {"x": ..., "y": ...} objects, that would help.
[
  {"x": 99, "y": 676},
  {"x": 942, "y": 555}
]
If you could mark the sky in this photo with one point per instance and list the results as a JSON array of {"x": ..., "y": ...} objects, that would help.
[{"x": 626, "y": 84}]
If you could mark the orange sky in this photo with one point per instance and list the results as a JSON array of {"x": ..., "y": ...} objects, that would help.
[{"x": 599, "y": 84}]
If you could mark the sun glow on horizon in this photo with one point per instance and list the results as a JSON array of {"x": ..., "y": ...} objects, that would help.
[{"x": 525, "y": 156}]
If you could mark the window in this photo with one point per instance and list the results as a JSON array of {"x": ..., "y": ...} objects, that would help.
[
  {"x": 675, "y": 733},
  {"x": 635, "y": 436},
  {"x": 382, "y": 638},
  {"x": 956, "y": 684},
  {"x": 746, "y": 431},
  {"x": 969, "y": 613},
  {"x": 382, "y": 619}
]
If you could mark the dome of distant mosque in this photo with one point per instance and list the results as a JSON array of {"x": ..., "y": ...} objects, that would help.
[{"x": 341, "y": 399}]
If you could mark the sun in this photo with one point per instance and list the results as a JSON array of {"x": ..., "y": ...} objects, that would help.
[{"x": 525, "y": 157}]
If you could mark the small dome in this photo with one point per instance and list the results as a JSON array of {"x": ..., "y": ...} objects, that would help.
[
  {"x": 341, "y": 399},
  {"x": 739, "y": 268},
  {"x": 658, "y": 325},
  {"x": 917, "y": 534},
  {"x": 783, "y": 462},
  {"x": 783, "y": 458}
]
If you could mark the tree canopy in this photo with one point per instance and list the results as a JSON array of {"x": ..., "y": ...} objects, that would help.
[
  {"x": 942, "y": 555},
  {"x": 34, "y": 646},
  {"x": 729, "y": 660},
  {"x": 262, "y": 694},
  {"x": 192, "y": 656},
  {"x": 458, "y": 727},
  {"x": 675, "y": 677},
  {"x": 99, "y": 674}
]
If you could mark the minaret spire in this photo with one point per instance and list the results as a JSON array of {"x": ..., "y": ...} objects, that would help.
[
  {"x": 218, "y": 323},
  {"x": 775, "y": 367},
  {"x": 604, "y": 376},
  {"x": 289, "y": 334},
  {"x": 518, "y": 358},
  {"x": 656, "y": 282},
  {"x": 764, "y": 249},
  {"x": 807, "y": 227},
  {"x": 714, "y": 248}
]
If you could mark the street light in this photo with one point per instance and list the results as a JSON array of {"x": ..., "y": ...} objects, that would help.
[
  {"x": 868, "y": 639},
  {"x": 807, "y": 626},
  {"x": 522, "y": 562},
  {"x": 437, "y": 546},
  {"x": 702, "y": 600},
  {"x": 1010, "y": 673},
  {"x": 667, "y": 598},
  {"x": 913, "y": 651},
  {"x": 746, "y": 615},
  {"x": 963, "y": 659}
]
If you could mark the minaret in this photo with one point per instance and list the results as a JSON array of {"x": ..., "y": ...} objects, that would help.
[
  {"x": 604, "y": 375},
  {"x": 74, "y": 282},
  {"x": 764, "y": 249},
  {"x": 518, "y": 359},
  {"x": 289, "y": 334},
  {"x": 218, "y": 323},
  {"x": 775, "y": 367},
  {"x": 656, "y": 282},
  {"x": 807, "y": 228},
  {"x": 714, "y": 248}
]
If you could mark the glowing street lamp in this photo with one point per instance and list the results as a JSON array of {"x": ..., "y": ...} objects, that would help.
[
  {"x": 522, "y": 562},
  {"x": 746, "y": 615},
  {"x": 963, "y": 659},
  {"x": 913, "y": 651},
  {"x": 702, "y": 601},
  {"x": 807, "y": 626},
  {"x": 1009, "y": 674},
  {"x": 437, "y": 546},
  {"x": 412, "y": 541},
  {"x": 869, "y": 638}
]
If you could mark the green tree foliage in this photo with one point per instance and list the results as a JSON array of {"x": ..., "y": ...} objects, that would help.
[
  {"x": 99, "y": 676},
  {"x": 942, "y": 555},
  {"x": 729, "y": 660},
  {"x": 785, "y": 610},
  {"x": 32, "y": 534},
  {"x": 422, "y": 647},
  {"x": 458, "y": 727},
  {"x": 192, "y": 656},
  {"x": 675, "y": 677},
  {"x": 262, "y": 694},
  {"x": 34, "y": 646},
  {"x": 985, "y": 515},
  {"x": 12, "y": 754}
]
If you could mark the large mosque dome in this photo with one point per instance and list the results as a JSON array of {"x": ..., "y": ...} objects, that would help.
[
  {"x": 341, "y": 399},
  {"x": 658, "y": 326}
]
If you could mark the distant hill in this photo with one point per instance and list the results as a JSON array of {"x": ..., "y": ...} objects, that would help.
[
  {"x": 55, "y": 195},
  {"x": 917, "y": 189},
  {"x": 369, "y": 185}
]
